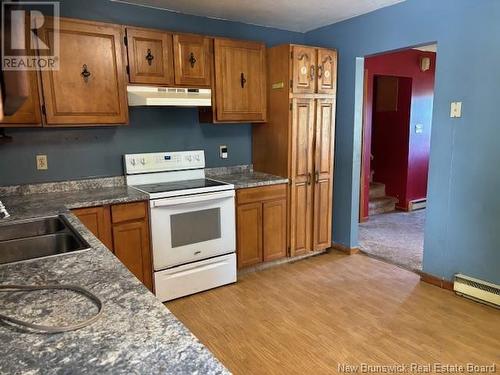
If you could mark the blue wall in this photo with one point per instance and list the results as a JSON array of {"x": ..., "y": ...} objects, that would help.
[
  {"x": 462, "y": 229},
  {"x": 84, "y": 152}
]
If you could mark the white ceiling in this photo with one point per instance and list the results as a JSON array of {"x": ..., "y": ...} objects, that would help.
[{"x": 293, "y": 15}]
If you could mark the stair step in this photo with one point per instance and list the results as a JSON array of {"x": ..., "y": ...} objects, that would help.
[
  {"x": 382, "y": 205},
  {"x": 377, "y": 190}
]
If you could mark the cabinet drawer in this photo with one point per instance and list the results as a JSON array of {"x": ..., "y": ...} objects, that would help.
[
  {"x": 261, "y": 193},
  {"x": 128, "y": 211}
]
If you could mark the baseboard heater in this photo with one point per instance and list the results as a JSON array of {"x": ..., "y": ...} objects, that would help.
[
  {"x": 417, "y": 204},
  {"x": 478, "y": 290}
]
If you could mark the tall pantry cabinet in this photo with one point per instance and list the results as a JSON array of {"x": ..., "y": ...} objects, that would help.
[{"x": 297, "y": 141}]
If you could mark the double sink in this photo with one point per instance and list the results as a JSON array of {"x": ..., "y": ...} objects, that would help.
[{"x": 38, "y": 238}]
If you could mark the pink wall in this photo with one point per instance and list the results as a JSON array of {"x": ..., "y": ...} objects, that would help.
[{"x": 403, "y": 64}]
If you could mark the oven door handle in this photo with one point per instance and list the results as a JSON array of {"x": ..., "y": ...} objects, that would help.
[{"x": 192, "y": 199}]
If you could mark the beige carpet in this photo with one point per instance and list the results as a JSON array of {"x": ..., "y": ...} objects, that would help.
[{"x": 396, "y": 237}]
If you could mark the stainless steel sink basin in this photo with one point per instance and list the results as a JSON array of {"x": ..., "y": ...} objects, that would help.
[
  {"x": 49, "y": 225},
  {"x": 38, "y": 238}
]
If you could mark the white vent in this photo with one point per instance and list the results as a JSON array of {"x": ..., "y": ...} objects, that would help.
[
  {"x": 478, "y": 290},
  {"x": 168, "y": 96}
]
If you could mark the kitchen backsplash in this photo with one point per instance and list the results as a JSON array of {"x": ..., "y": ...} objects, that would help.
[{"x": 85, "y": 153}]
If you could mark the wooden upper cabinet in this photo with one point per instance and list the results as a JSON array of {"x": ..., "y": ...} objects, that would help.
[
  {"x": 150, "y": 56},
  {"x": 89, "y": 87},
  {"x": 240, "y": 80},
  {"x": 303, "y": 69},
  {"x": 29, "y": 114},
  {"x": 21, "y": 99},
  {"x": 314, "y": 70},
  {"x": 327, "y": 71},
  {"x": 192, "y": 60}
]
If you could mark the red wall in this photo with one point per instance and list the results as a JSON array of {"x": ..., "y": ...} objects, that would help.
[
  {"x": 390, "y": 141},
  {"x": 403, "y": 64}
]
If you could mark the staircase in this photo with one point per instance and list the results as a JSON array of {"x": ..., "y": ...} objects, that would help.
[{"x": 379, "y": 202}]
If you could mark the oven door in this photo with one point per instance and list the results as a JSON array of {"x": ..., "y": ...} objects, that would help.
[{"x": 191, "y": 228}]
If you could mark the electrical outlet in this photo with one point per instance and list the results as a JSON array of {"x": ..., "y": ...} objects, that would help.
[
  {"x": 41, "y": 162},
  {"x": 223, "y": 151},
  {"x": 456, "y": 109}
]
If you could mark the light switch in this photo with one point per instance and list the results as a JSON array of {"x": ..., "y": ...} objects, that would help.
[
  {"x": 456, "y": 109},
  {"x": 419, "y": 129},
  {"x": 223, "y": 151}
]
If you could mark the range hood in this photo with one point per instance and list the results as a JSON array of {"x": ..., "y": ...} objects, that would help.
[{"x": 168, "y": 96}]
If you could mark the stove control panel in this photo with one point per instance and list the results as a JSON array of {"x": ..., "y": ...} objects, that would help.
[{"x": 163, "y": 161}]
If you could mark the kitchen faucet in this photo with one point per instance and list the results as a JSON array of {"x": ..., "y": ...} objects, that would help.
[{"x": 3, "y": 211}]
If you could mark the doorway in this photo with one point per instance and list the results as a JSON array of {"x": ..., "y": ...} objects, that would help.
[{"x": 397, "y": 121}]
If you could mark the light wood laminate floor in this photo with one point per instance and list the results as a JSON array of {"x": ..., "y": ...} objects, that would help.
[{"x": 309, "y": 316}]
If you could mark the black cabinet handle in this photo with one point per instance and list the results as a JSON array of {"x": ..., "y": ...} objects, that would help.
[
  {"x": 243, "y": 80},
  {"x": 85, "y": 73},
  {"x": 192, "y": 59},
  {"x": 149, "y": 57},
  {"x": 320, "y": 71}
]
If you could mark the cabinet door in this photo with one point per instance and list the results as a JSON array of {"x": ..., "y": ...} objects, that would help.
[
  {"x": 131, "y": 241},
  {"x": 192, "y": 60},
  {"x": 303, "y": 69},
  {"x": 323, "y": 181},
  {"x": 98, "y": 221},
  {"x": 89, "y": 87},
  {"x": 301, "y": 190},
  {"x": 274, "y": 229},
  {"x": 150, "y": 56},
  {"x": 240, "y": 80},
  {"x": 29, "y": 114},
  {"x": 327, "y": 71},
  {"x": 249, "y": 234}
]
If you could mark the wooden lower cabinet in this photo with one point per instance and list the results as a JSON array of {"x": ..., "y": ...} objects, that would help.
[
  {"x": 132, "y": 247},
  {"x": 261, "y": 221},
  {"x": 249, "y": 234},
  {"x": 98, "y": 221},
  {"x": 274, "y": 229},
  {"x": 124, "y": 229}
]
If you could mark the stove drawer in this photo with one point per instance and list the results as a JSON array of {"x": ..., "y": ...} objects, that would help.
[{"x": 195, "y": 277}]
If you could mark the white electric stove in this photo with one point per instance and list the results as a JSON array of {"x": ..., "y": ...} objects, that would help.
[{"x": 192, "y": 222}]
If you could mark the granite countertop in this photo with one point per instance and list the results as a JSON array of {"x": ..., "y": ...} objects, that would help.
[
  {"x": 244, "y": 177},
  {"x": 136, "y": 334},
  {"x": 46, "y": 204}
]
